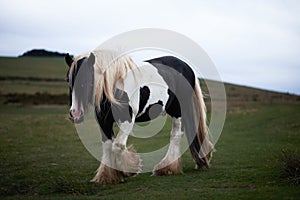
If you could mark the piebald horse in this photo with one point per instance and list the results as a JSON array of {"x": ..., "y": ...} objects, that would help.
[{"x": 122, "y": 92}]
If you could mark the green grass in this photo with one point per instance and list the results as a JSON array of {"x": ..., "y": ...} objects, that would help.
[
  {"x": 17, "y": 75},
  {"x": 32, "y": 87},
  {"x": 38, "y": 67},
  {"x": 42, "y": 156}
]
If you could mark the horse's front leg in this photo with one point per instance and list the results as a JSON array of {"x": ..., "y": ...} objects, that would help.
[
  {"x": 107, "y": 172},
  {"x": 127, "y": 160}
]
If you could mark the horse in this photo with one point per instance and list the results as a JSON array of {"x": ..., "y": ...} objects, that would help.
[{"x": 123, "y": 92}]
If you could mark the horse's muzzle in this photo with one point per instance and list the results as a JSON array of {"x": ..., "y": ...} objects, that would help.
[{"x": 76, "y": 119}]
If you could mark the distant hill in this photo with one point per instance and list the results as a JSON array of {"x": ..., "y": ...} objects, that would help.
[
  {"x": 42, "y": 53},
  {"x": 41, "y": 76}
]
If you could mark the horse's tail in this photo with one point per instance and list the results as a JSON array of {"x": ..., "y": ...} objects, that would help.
[{"x": 197, "y": 130}]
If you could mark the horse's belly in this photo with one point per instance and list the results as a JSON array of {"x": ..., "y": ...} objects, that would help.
[{"x": 150, "y": 113}]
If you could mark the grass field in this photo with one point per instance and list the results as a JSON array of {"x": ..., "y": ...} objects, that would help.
[
  {"x": 52, "y": 68},
  {"x": 32, "y": 87},
  {"x": 42, "y": 155}
]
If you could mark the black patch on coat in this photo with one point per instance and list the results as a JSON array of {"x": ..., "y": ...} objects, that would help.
[
  {"x": 144, "y": 97},
  {"x": 173, "y": 105},
  {"x": 173, "y": 63},
  {"x": 105, "y": 119},
  {"x": 109, "y": 113},
  {"x": 122, "y": 112},
  {"x": 174, "y": 71}
]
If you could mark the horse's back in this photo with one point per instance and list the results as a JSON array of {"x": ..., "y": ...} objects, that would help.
[{"x": 165, "y": 65}]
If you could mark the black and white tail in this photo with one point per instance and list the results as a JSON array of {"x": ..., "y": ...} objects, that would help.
[{"x": 197, "y": 130}]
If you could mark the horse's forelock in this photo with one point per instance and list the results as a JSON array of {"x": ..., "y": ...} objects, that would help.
[
  {"x": 81, "y": 81},
  {"x": 74, "y": 68}
]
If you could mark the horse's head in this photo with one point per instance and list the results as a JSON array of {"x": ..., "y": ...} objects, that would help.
[{"x": 80, "y": 77}]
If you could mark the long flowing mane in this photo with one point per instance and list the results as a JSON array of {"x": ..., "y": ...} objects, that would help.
[{"x": 109, "y": 69}]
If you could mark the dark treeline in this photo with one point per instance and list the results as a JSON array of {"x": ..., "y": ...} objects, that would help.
[{"x": 42, "y": 53}]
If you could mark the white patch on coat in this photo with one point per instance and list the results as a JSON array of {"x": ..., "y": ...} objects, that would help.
[
  {"x": 145, "y": 75},
  {"x": 125, "y": 129}
]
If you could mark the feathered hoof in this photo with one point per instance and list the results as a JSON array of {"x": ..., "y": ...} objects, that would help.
[
  {"x": 107, "y": 175},
  {"x": 167, "y": 168},
  {"x": 206, "y": 162},
  {"x": 129, "y": 162}
]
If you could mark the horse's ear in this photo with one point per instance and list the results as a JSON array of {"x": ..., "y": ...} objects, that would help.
[
  {"x": 91, "y": 59},
  {"x": 69, "y": 60}
]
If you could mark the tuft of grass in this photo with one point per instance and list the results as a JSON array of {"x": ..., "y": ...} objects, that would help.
[{"x": 291, "y": 166}]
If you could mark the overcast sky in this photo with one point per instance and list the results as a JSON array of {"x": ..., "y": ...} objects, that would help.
[{"x": 254, "y": 43}]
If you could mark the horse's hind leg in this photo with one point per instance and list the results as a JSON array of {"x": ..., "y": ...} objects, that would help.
[{"x": 171, "y": 163}]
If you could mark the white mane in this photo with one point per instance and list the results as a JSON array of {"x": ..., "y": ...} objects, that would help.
[{"x": 109, "y": 68}]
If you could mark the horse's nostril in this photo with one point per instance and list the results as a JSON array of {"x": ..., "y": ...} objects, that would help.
[{"x": 71, "y": 111}]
